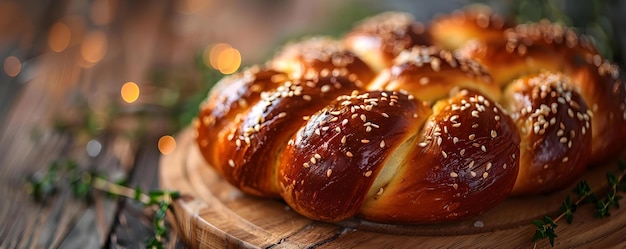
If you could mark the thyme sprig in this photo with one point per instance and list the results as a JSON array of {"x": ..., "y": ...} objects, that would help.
[
  {"x": 546, "y": 227},
  {"x": 44, "y": 185}
]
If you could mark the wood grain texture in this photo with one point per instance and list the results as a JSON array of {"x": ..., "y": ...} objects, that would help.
[{"x": 213, "y": 214}]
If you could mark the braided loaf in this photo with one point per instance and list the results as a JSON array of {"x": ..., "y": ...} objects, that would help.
[{"x": 389, "y": 125}]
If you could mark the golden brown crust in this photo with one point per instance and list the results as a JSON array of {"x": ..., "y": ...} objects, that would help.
[
  {"x": 555, "y": 126},
  {"x": 229, "y": 98},
  {"x": 532, "y": 48},
  {"x": 245, "y": 153},
  {"x": 465, "y": 161},
  {"x": 379, "y": 39},
  {"x": 430, "y": 73},
  {"x": 605, "y": 93},
  {"x": 479, "y": 23},
  {"x": 329, "y": 166},
  {"x": 321, "y": 57}
]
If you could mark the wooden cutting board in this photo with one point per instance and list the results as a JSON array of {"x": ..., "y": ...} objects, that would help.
[{"x": 214, "y": 214}]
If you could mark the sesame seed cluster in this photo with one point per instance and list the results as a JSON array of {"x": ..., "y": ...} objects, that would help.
[{"x": 400, "y": 122}]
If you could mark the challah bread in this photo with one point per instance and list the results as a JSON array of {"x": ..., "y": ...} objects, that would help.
[
  {"x": 531, "y": 48},
  {"x": 378, "y": 126},
  {"x": 450, "y": 32},
  {"x": 554, "y": 123},
  {"x": 379, "y": 39},
  {"x": 329, "y": 167},
  {"x": 462, "y": 162},
  {"x": 321, "y": 56},
  {"x": 429, "y": 73}
]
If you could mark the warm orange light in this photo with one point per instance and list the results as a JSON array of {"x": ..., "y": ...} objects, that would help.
[
  {"x": 211, "y": 55},
  {"x": 130, "y": 92},
  {"x": 59, "y": 37},
  {"x": 12, "y": 66},
  {"x": 167, "y": 144},
  {"x": 229, "y": 61},
  {"x": 94, "y": 47}
]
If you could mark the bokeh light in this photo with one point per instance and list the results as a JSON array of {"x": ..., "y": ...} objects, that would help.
[
  {"x": 229, "y": 61},
  {"x": 59, "y": 37},
  {"x": 12, "y": 66},
  {"x": 93, "y": 148},
  {"x": 130, "y": 92},
  {"x": 212, "y": 52},
  {"x": 222, "y": 57},
  {"x": 94, "y": 47},
  {"x": 167, "y": 144}
]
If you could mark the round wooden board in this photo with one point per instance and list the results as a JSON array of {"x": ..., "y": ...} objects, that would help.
[{"x": 214, "y": 214}]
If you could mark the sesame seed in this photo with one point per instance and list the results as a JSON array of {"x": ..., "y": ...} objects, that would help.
[
  {"x": 488, "y": 166},
  {"x": 485, "y": 175},
  {"x": 380, "y": 191},
  {"x": 344, "y": 122},
  {"x": 473, "y": 173},
  {"x": 385, "y": 115},
  {"x": 306, "y": 165},
  {"x": 494, "y": 134},
  {"x": 363, "y": 117},
  {"x": 318, "y": 132},
  {"x": 454, "y": 174},
  {"x": 456, "y": 125},
  {"x": 443, "y": 153},
  {"x": 368, "y": 173},
  {"x": 565, "y": 159},
  {"x": 282, "y": 115},
  {"x": 455, "y": 140},
  {"x": 329, "y": 172},
  {"x": 343, "y": 139},
  {"x": 471, "y": 164},
  {"x": 365, "y": 141},
  {"x": 422, "y": 144},
  {"x": 238, "y": 142},
  {"x": 313, "y": 160},
  {"x": 306, "y": 97},
  {"x": 349, "y": 154},
  {"x": 231, "y": 163},
  {"x": 475, "y": 113},
  {"x": 382, "y": 144},
  {"x": 462, "y": 152},
  {"x": 455, "y": 186},
  {"x": 337, "y": 129},
  {"x": 482, "y": 147},
  {"x": 472, "y": 136},
  {"x": 317, "y": 156},
  {"x": 504, "y": 166},
  {"x": 563, "y": 140},
  {"x": 439, "y": 140}
]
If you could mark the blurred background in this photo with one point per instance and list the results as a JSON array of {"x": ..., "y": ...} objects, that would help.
[{"x": 110, "y": 83}]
